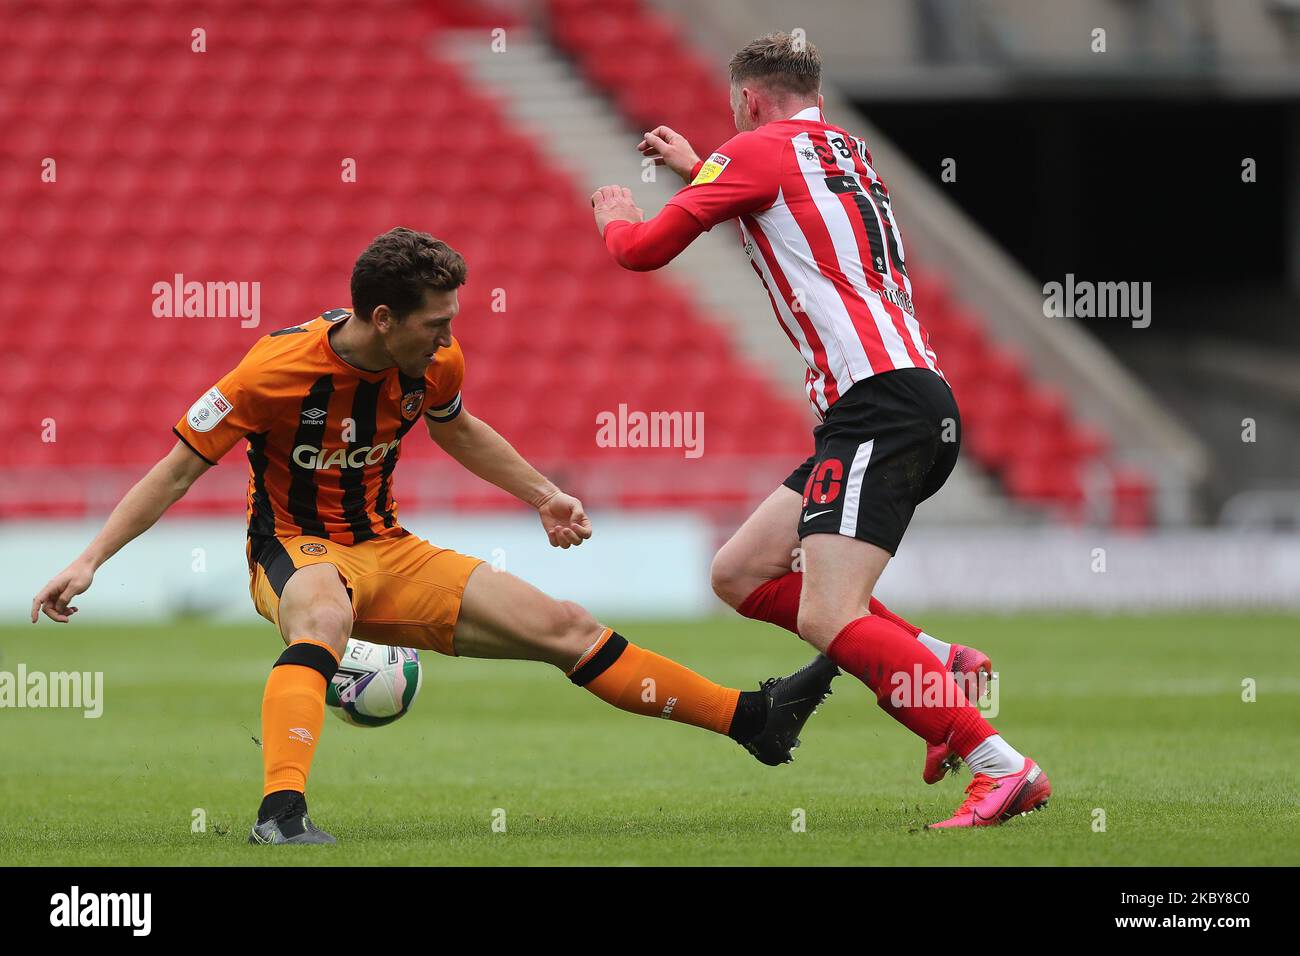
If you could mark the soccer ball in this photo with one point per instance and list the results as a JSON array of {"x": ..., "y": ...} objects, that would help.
[{"x": 375, "y": 684}]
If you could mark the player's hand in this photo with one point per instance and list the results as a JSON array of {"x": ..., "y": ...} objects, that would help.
[
  {"x": 63, "y": 587},
  {"x": 667, "y": 147},
  {"x": 614, "y": 203},
  {"x": 566, "y": 524}
]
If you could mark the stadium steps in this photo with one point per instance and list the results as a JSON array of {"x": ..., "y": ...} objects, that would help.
[
  {"x": 578, "y": 128},
  {"x": 575, "y": 124}
]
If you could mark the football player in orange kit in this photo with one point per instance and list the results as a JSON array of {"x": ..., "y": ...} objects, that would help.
[{"x": 324, "y": 407}]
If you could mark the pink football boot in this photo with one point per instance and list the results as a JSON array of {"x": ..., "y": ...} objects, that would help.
[
  {"x": 993, "y": 800},
  {"x": 972, "y": 670}
]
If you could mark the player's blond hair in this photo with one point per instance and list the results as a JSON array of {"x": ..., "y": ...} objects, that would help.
[{"x": 783, "y": 62}]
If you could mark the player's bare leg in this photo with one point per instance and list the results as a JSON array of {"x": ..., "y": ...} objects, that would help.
[
  {"x": 758, "y": 572},
  {"x": 315, "y": 619},
  {"x": 765, "y": 548},
  {"x": 839, "y": 575},
  {"x": 502, "y": 616}
]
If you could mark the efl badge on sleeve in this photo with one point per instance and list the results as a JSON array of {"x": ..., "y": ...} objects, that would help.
[
  {"x": 208, "y": 410},
  {"x": 712, "y": 169}
]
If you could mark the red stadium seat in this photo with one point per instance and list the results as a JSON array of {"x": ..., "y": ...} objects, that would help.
[{"x": 227, "y": 168}]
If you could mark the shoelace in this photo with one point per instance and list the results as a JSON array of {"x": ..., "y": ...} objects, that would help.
[{"x": 979, "y": 788}]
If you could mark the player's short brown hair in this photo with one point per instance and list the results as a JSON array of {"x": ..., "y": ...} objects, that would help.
[
  {"x": 783, "y": 62},
  {"x": 398, "y": 267}
]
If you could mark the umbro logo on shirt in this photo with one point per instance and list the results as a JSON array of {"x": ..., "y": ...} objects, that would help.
[{"x": 314, "y": 416}]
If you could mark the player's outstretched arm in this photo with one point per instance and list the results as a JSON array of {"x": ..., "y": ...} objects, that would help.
[
  {"x": 478, "y": 447},
  {"x": 740, "y": 178},
  {"x": 135, "y": 514},
  {"x": 637, "y": 245}
]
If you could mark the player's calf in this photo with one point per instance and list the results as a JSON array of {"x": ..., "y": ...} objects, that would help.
[
  {"x": 822, "y": 618},
  {"x": 972, "y": 670},
  {"x": 315, "y": 620},
  {"x": 642, "y": 682},
  {"x": 293, "y": 713},
  {"x": 504, "y": 617},
  {"x": 766, "y": 722}
]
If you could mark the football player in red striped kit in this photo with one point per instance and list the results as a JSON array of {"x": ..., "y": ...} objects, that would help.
[{"x": 819, "y": 229}]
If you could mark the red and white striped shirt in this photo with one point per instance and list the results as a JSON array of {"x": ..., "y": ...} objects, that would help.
[{"x": 819, "y": 229}]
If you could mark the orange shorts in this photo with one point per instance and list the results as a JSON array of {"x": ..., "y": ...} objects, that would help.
[{"x": 404, "y": 591}]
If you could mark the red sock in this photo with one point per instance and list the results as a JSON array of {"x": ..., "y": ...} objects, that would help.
[
  {"x": 777, "y": 602},
  {"x": 875, "y": 607},
  {"x": 874, "y": 649}
]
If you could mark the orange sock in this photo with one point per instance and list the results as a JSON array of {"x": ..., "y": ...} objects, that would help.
[
  {"x": 293, "y": 710},
  {"x": 643, "y": 682}
]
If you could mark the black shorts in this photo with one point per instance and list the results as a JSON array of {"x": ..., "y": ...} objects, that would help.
[{"x": 886, "y": 445}]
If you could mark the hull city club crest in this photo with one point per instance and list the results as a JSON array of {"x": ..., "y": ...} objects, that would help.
[{"x": 411, "y": 403}]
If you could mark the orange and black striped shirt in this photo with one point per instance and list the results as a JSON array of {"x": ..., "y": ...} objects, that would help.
[{"x": 323, "y": 436}]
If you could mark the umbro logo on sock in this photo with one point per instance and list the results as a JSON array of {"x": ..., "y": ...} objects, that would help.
[{"x": 301, "y": 734}]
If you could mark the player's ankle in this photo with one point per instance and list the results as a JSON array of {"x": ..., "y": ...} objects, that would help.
[
  {"x": 275, "y": 803},
  {"x": 751, "y": 714}
]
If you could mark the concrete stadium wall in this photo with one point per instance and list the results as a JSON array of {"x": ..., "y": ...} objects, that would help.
[
  {"x": 647, "y": 564},
  {"x": 657, "y": 565}
]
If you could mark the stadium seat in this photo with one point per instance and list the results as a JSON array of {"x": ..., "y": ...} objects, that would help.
[{"x": 230, "y": 170}]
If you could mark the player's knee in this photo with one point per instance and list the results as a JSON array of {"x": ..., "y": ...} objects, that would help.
[
  {"x": 569, "y": 624},
  {"x": 721, "y": 579},
  {"x": 567, "y": 633},
  {"x": 728, "y": 576},
  {"x": 325, "y": 621},
  {"x": 580, "y": 624}
]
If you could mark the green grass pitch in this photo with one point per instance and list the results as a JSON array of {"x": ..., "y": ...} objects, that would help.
[{"x": 1141, "y": 718}]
